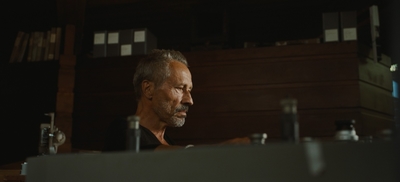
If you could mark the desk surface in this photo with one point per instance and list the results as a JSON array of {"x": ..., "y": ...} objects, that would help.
[{"x": 376, "y": 161}]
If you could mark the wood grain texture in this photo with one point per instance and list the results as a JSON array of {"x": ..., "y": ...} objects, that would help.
[{"x": 66, "y": 80}]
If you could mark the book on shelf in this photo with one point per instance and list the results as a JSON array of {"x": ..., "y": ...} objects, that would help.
[
  {"x": 39, "y": 47},
  {"x": 99, "y": 44},
  {"x": 330, "y": 25},
  {"x": 348, "y": 25},
  {"x": 113, "y": 44},
  {"x": 47, "y": 45},
  {"x": 17, "y": 45},
  {"x": 143, "y": 41},
  {"x": 30, "y": 47},
  {"x": 22, "y": 50},
  {"x": 44, "y": 44},
  {"x": 35, "y": 45},
  {"x": 58, "y": 43},
  {"x": 52, "y": 44},
  {"x": 126, "y": 42}
]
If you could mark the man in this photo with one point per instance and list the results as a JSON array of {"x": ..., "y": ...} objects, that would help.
[{"x": 163, "y": 85}]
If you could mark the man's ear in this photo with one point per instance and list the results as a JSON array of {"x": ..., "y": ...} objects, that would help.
[{"x": 148, "y": 89}]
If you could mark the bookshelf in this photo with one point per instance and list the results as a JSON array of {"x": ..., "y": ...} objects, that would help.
[
  {"x": 37, "y": 46},
  {"x": 32, "y": 88}
]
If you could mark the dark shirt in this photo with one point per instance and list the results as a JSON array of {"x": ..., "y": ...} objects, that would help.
[{"x": 115, "y": 139}]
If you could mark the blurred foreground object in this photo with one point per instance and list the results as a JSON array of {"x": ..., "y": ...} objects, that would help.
[
  {"x": 290, "y": 126},
  {"x": 50, "y": 137},
  {"x": 345, "y": 130},
  {"x": 310, "y": 161},
  {"x": 258, "y": 138},
  {"x": 133, "y": 133}
]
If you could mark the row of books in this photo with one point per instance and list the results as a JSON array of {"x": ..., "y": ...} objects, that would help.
[
  {"x": 340, "y": 26},
  {"x": 124, "y": 42},
  {"x": 37, "y": 46},
  {"x": 350, "y": 25},
  {"x": 362, "y": 26}
]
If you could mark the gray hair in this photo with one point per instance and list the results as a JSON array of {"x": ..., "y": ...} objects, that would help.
[{"x": 154, "y": 67}]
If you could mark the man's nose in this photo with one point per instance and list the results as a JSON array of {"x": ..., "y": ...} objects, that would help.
[{"x": 187, "y": 98}]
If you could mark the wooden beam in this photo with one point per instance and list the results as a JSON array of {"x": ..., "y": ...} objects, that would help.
[{"x": 72, "y": 12}]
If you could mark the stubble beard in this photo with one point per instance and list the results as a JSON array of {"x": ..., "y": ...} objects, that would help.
[{"x": 167, "y": 114}]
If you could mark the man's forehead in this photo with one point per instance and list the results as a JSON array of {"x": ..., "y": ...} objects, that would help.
[
  {"x": 179, "y": 73},
  {"x": 176, "y": 63},
  {"x": 176, "y": 66}
]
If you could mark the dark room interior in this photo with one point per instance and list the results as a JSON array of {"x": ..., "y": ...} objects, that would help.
[{"x": 245, "y": 57}]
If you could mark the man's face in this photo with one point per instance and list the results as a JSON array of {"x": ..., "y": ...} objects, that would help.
[{"x": 172, "y": 99}]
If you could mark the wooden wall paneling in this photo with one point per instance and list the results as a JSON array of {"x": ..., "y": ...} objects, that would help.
[
  {"x": 66, "y": 84},
  {"x": 67, "y": 61},
  {"x": 66, "y": 77},
  {"x": 63, "y": 119},
  {"x": 275, "y": 71},
  {"x": 327, "y": 95},
  {"x": 327, "y": 49},
  {"x": 71, "y": 17},
  {"x": 65, "y": 102},
  {"x": 64, "y": 123},
  {"x": 72, "y": 12}
]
